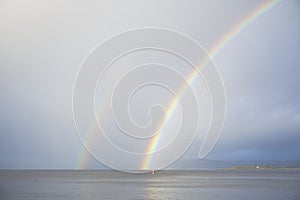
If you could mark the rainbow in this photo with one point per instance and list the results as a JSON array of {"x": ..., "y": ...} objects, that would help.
[{"x": 217, "y": 47}]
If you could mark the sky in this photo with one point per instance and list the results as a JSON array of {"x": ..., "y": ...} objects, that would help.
[{"x": 44, "y": 43}]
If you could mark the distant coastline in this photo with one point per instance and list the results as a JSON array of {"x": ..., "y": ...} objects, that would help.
[
  {"x": 260, "y": 167},
  {"x": 137, "y": 171}
]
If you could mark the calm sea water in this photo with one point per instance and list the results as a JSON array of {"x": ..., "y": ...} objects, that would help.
[{"x": 202, "y": 185}]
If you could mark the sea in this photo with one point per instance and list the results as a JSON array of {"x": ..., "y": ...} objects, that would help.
[{"x": 165, "y": 185}]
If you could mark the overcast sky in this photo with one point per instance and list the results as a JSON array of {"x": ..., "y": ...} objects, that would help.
[{"x": 43, "y": 43}]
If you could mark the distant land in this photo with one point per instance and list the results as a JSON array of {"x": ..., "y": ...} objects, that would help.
[
  {"x": 196, "y": 164},
  {"x": 260, "y": 167}
]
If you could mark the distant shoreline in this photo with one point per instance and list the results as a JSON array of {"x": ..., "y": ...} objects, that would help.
[
  {"x": 260, "y": 167},
  {"x": 242, "y": 167}
]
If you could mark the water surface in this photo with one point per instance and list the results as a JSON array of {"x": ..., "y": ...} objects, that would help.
[{"x": 202, "y": 185}]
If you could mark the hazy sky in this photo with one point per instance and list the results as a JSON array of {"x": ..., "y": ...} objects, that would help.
[{"x": 43, "y": 43}]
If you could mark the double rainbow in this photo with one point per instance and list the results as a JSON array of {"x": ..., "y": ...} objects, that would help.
[{"x": 216, "y": 48}]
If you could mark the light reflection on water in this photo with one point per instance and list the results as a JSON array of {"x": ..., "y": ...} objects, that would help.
[{"x": 220, "y": 184}]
